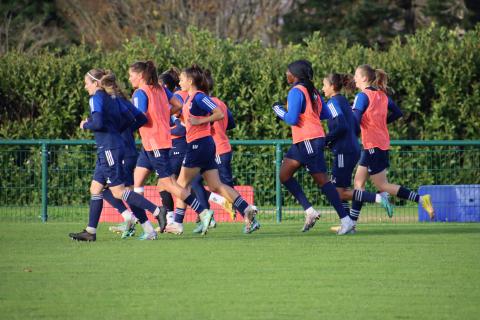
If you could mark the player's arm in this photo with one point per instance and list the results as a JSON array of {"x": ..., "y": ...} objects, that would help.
[
  {"x": 206, "y": 104},
  {"x": 360, "y": 104},
  {"x": 174, "y": 100},
  {"x": 339, "y": 127},
  {"x": 296, "y": 103},
  {"x": 231, "y": 122},
  {"x": 177, "y": 128},
  {"x": 139, "y": 118},
  {"x": 140, "y": 100},
  {"x": 394, "y": 111},
  {"x": 95, "y": 121},
  {"x": 324, "y": 113}
]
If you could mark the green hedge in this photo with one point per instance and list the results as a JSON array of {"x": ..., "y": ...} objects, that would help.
[{"x": 435, "y": 75}]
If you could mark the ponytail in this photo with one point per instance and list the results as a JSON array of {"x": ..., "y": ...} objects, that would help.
[
  {"x": 303, "y": 71},
  {"x": 170, "y": 78},
  {"x": 209, "y": 79},
  {"x": 381, "y": 79},
  {"x": 341, "y": 81},
  {"x": 376, "y": 77},
  {"x": 198, "y": 77},
  {"x": 109, "y": 83},
  {"x": 148, "y": 71}
]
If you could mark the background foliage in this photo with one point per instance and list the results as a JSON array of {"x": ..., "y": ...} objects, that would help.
[{"x": 435, "y": 75}]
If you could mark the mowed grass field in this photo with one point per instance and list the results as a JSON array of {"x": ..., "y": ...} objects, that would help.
[{"x": 406, "y": 271}]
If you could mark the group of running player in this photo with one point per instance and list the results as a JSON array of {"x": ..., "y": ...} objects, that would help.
[{"x": 184, "y": 141}]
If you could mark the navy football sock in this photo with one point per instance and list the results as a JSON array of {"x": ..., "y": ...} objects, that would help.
[
  {"x": 179, "y": 215},
  {"x": 135, "y": 199},
  {"x": 193, "y": 202},
  {"x": 167, "y": 200},
  {"x": 295, "y": 189},
  {"x": 331, "y": 193},
  {"x": 200, "y": 192},
  {"x": 355, "y": 211},
  {"x": 407, "y": 194},
  {"x": 364, "y": 196},
  {"x": 346, "y": 206},
  {"x": 139, "y": 213},
  {"x": 116, "y": 203},
  {"x": 96, "y": 206},
  {"x": 240, "y": 205}
]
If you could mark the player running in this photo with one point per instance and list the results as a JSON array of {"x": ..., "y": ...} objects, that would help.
[
  {"x": 370, "y": 109},
  {"x": 199, "y": 111}
]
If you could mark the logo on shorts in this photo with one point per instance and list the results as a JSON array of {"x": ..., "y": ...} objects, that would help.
[
  {"x": 108, "y": 180},
  {"x": 195, "y": 146},
  {"x": 176, "y": 153}
]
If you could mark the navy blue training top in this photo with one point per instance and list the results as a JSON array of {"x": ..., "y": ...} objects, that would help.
[
  {"x": 202, "y": 105},
  {"x": 127, "y": 134},
  {"x": 342, "y": 126},
  {"x": 296, "y": 105},
  {"x": 106, "y": 121}
]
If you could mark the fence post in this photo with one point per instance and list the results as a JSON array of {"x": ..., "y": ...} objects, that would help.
[
  {"x": 278, "y": 185},
  {"x": 44, "y": 182}
]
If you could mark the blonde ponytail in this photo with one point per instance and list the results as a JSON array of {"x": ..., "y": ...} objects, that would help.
[{"x": 381, "y": 79}]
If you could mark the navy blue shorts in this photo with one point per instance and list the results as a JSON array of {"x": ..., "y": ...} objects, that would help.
[
  {"x": 376, "y": 160},
  {"x": 129, "y": 164},
  {"x": 310, "y": 154},
  {"x": 179, "y": 147},
  {"x": 224, "y": 162},
  {"x": 201, "y": 154},
  {"x": 176, "y": 164},
  {"x": 143, "y": 161},
  {"x": 109, "y": 167},
  {"x": 177, "y": 154},
  {"x": 156, "y": 160},
  {"x": 343, "y": 166}
]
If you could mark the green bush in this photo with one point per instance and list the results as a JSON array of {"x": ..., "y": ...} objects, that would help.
[{"x": 435, "y": 75}]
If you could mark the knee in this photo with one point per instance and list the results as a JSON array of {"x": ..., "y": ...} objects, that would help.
[
  {"x": 321, "y": 179},
  {"x": 117, "y": 192},
  {"x": 284, "y": 177},
  {"x": 358, "y": 184},
  {"x": 95, "y": 190},
  {"x": 216, "y": 188},
  {"x": 342, "y": 194},
  {"x": 381, "y": 187}
]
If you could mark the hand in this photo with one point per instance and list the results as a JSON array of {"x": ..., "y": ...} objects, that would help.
[
  {"x": 82, "y": 123},
  {"x": 195, "y": 121},
  {"x": 277, "y": 104}
]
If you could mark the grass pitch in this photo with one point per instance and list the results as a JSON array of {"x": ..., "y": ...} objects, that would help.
[{"x": 412, "y": 271}]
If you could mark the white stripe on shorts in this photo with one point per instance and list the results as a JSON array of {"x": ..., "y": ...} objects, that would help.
[
  {"x": 340, "y": 160},
  {"x": 110, "y": 161},
  {"x": 308, "y": 146}
]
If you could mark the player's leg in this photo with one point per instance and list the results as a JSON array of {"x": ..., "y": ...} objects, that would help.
[
  {"x": 247, "y": 211},
  {"x": 96, "y": 202},
  {"x": 381, "y": 183},
  {"x": 129, "y": 164},
  {"x": 178, "y": 189},
  {"x": 224, "y": 162},
  {"x": 95, "y": 210},
  {"x": 292, "y": 161}
]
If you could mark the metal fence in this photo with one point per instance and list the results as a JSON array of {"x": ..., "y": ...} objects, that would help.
[{"x": 49, "y": 179}]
